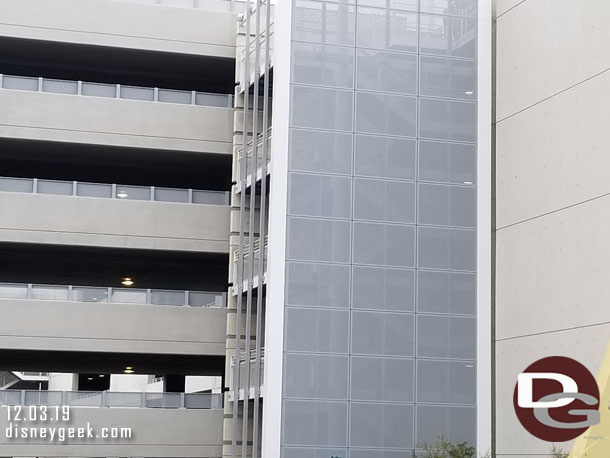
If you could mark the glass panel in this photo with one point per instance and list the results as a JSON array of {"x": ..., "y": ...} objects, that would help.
[
  {"x": 160, "y": 297},
  {"x": 330, "y": 109},
  {"x": 319, "y": 240},
  {"x": 201, "y": 299},
  {"x": 316, "y": 330},
  {"x": 137, "y": 93},
  {"x": 171, "y": 195},
  {"x": 456, "y": 79},
  {"x": 43, "y": 398},
  {"x": 93, "y": 190},
  {"x": 129, "y": 296},
  {"x": 13, "y": 291},
  {"x": 382, "y": 379},
  {"x": 386, "y": 71},
  {"x": 198, "y": 401},
  {"x": 21, "y": 83},
  {"x": 322, "y": 65},
  {"x": 384, "y": 244},
  {"x": 328, "y": 23},
  {"x": 163, "y": 400},
  {"x": 132, "y": 192},
  {"x": 59, "y": 86},
  {"x": 462, "y": 8},
  {"x": 60, "y": 188},
  {"x": 378, "y": 200},
  {"x": 10, "y": 398},
  {"x": 320, "y": 195},
  {"x": 114, "y": 399},
  {"x": 209, "y": 197},
  {"x": 315, "y": 423},
  {"x": 386, "y": 29},
  {"x": 379, "y": 453},
  {"x": 85, "y": 294},
  {"x": 385, "y": 157},
  {"x": 383, "y": 289},
  {"x": 313, "y": 151},
  {"x": 317, "y": 285},
  {"x": 408, "y": 5},
  {"x": 179, "y": 3},
  {"x": 84, "y": 398},
  {"x": 50, "y": 293},
  {"x": 308, "y": 452},
  {"x": 99, "y": 90},
  {"x": 448, "y": 120},
  {"x": 383, "y": 334},
  {"x": 16, "y": 184},
  {"x": 446, "y": 292},
  {"x": 448, "y": 162},
  {"x": 446, "y": 337},
  {"x": 212, "y": 100},
  {"x": 167, "y": 95},
  {"x": 385, "y": 114},
  {"x": 442, "y": 205},
  {"x": 446, "y": 382},
  {"x": 453, "y": 249},
  {"x": 448, "y": 36},
  {"x": 455, "y": 424},
  {"x": 381, "y": 425},
  {"x": 316, "y": 376}
]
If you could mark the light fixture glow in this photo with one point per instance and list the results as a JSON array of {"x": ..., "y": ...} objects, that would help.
[
  {"x": 122, "y": 194},
  {"x": 469, "y": 92},
  {"x": 129, "y": 370},
  {"x": 127, "y": 281},
  {"x": 467, "y": 182},
  {"x": 89, "y": 378},
  {"x": 102, "y": 375}
]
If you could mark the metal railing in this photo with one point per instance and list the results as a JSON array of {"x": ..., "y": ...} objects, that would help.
[
  {"x": 254, "y": 376},
  {"x": 111, "y": 399},
  {"x": 250, "y": 153},
  {"x": 113, "y": 191},
  {"x": 266, "y": 39},
  {"x": 257, "y": 250},
  {"x": 210, "y": 5},
  {"x": 69, "y": 293},
  {"x": 115, "y": 91}
]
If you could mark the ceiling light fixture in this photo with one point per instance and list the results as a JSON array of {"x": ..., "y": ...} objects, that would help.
[
  {"x": 129, "y": 370},
  {"x": 469, "y": 92},
  {"x": 127, "y": 281},
  {"x": 89, "y": 378},
  {"x": 467, "y": 182},
  {"x": 102, "y": 375},
  {"x": 122, "y": 194}
]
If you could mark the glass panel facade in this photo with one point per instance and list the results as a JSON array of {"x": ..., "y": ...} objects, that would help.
[{"x": 380, "y": 288}]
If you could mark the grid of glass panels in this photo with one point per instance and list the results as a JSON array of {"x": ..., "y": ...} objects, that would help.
[{"x": 380, "y": 305}]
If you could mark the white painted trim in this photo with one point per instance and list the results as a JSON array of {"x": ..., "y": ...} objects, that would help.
[
  {"x": 484, "y": 266},
  {"x": 276, "y": 254}
]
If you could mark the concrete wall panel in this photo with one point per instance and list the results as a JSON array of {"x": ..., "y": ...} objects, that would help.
[
  {"x": 150, "y": 27},
  {"x": 103, "y": 327},
  {"x": 64, "y": 220},
  {"x": 156, "y": 433},
  {"x": 102, "y": 121},
  {"x": 547, "y": 46}
]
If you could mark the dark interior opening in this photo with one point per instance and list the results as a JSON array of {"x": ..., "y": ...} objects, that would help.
[
  {"x": 101, "y": 64},
  {"x": 93, "y": 266},
  {"x": 110, "y": 363},
  {"x": 107, "y": 164},
  {"x": 93, "y": 382}
]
